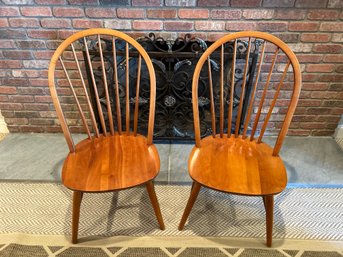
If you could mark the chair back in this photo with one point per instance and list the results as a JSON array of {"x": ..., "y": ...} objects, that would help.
[
  {"x": 277, "y": 71},
  {"x": 99, "y": 79}
]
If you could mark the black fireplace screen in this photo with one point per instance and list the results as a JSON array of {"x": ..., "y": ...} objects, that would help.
[{"x": 174, "y": 62}]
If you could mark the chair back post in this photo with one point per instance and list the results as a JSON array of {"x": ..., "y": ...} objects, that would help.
[{"x": 293, "y": 62}]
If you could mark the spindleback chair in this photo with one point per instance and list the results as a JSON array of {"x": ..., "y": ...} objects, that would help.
[
  {"x": 234, "y": 159},
  {"x": 114, "y": 155}
]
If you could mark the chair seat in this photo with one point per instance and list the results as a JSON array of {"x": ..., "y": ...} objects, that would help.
[
  {"x": 110, "y": 163},
  {"x": 238, "y": 166}
]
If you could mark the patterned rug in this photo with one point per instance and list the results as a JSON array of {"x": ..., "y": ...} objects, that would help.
[{"x": 45, "y": 209}]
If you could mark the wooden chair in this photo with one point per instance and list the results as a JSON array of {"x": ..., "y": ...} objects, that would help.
[
  {"x": 230, "y": 160},
  {"x": 114, "y": 156}
]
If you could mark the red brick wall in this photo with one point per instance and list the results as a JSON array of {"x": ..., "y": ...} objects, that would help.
[{"x": 30, "y": 30}]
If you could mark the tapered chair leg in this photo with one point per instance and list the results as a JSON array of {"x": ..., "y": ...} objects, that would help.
[
  {"x": 194, "y": 194},
  {"x": 77, "y": 198},
  {"x": 269, "y": 206},
  {"x": 152, "y": 195}
]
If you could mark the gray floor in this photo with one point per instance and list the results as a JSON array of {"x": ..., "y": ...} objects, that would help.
[{"x": 39, "y": 157}]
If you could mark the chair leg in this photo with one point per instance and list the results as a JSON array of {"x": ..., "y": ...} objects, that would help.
[
  {"x": 152, "y": 195},
  {"x": 269, "y": 206},
  {"x": 77, "y": 198},
  {"x": 194, "y": 194}
]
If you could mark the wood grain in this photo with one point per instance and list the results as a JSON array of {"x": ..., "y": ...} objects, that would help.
[{"x": 110, "y": 163}]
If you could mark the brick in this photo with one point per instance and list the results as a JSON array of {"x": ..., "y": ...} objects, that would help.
[
  {"x": 226, "y": 14},
  {"x": 43, "y": 99},
  {"x": 10, "y": 64},
  {"x": 68, "y": 12},
  {"x": 210, "y": 25},
  {"x": 18, "y": 2},
  {"x": 278, "y": 3},
  {"x": 25, "y": 114},
  {"x": 130, "y": 13},
  {"x": 17, "y": 121},
  {"x": 24, "y": 22},
  {"x": 43, "y": 55},
  {"x": 53, "y": 44},
  {"x": 290, "y": 14},
  {"x": 101, "y": 12},
  {"x": 312, "y": 125},
  {"x": 301, "y": 47},
  {"x": 178, "y": 25},
  {"x": 310, "y": 3},
  {"x": 182, "y": 3},
  {"x": 35, "y": 121},
  {"x": 331, "y": 78},
  {"x": 36, "y": 106},
  {"x": 318, "y": 111},
  {"x": 331, "y": 26},
  {"x": 38, "y": 82},
  {"x": 339, "y": 68},
  {"x": 239, "y": 26},
  {"x": 309, "y": 102},
  {"x": 63, "y": 34},
  {"x": 315, "y": 37},
  {"x": 315, "y": 86},
  {"x": 55, "y": 23},
  {"x": 193, "y": 13},
  {"x": 335, "y": 4},
  {"x": 9, "y": 11},
  {"x": 310, "y": 77},
  {"x": 36, "y": 11},
  {"x": 85, "y": 24},
  {"x": 118, "y": 24},
  {"x": 327, "y": 48},
  {"x": 17, "y": 54},
  {"x": 321, "y": 68},
  {"x": 302, "y": 26},
  {"x": 3, "y": 23},
  {"x": 332, "y": 103},
  {"x": 36, "y": 64},
  {"x": 337, "y": 37},
  {"x": 43, "y": 34},
  {"x": 47, "y": 114},
  {"x": 51, "y": 2},
  {"x": 22, "y": 98},
  {"x": 336, "y": 87},
  {"x": 12, "y": 34},
  {"x": 272, "y": 26},
  {"x": 309, "y": 58},
  {"x": 8, "y": 90},
  {"x": 161, "y": 13},
  {"x": 322, "y": 15},
  {"x": 7, "y": 44},
  {"x": 328, "y": 118},
  {"x": 246, "y": 3},
  {"x": 337, "y": 111},
  {"x": 147, "y": 2},
  {"x": 206, "y": 3},
  {"x": 83, "y": 2},
  {"x": 8, "y": 81},
  {"x": 288, "y": 37},
  {"x": 254, "y": 14},
  {"x": 25, "y": 73},
  {"x": 147, "y": 25},
  {"x": 333, "y": 58},
  {"x": 30, "y": 44}
]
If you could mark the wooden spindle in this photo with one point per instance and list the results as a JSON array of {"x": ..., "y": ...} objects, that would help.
[
  {"x": 127, "y": 109},
  {"x": 232, "y": 88},
  {"x": 264, "y": 95},
  {"x": 221, "y": 110},
  {"x": 240, "y": 107},
  {"x": 213, "y": 115},
  {"x": 76, "y": 99},
  {"x": 104, "y": 77},
  {"x": 90, "y": 107},
  {"x": 115, "y": 74},
  {"x": 276, "y": 95},
  {"x": 252, "y": 98},
  {"x": 97, "y": 100},
  {"x": 135, "y": 121}
]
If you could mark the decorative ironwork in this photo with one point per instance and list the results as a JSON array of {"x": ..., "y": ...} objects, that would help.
[{"x": 174, "y": 62}]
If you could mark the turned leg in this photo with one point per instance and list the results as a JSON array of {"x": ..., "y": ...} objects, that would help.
[
  {"x": 194, "y": 194},
  {"x": 152, "y": 195},
  {"x": 77, "y": 198},
  {"x": 269, "y": 206}
]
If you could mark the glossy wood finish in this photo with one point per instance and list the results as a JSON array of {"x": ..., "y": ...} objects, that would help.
[
  {"x": 237, "y": 163},
  {"x": 110, "y": 160},
  {"x": 110, "y": 163}
]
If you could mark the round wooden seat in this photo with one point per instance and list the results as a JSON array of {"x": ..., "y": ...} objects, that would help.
[
  {"x": 110, "y": 163},
  {"x": 238, "y": 166}
]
